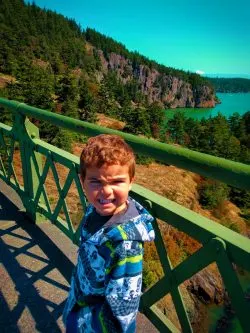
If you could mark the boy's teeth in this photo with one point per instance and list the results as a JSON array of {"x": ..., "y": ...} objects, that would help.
[{"x": 103, "y": 201}]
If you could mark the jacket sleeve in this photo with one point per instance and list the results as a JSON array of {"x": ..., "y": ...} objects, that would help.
[{"x": 124, "y": 281}]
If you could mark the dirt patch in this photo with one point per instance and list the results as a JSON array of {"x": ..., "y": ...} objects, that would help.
[
  {"x": 112, "y": 123},
  {"x": 175, "y": 184},
  {"x": 40, "y": 63},
  {"x": 5, "y": 79}
]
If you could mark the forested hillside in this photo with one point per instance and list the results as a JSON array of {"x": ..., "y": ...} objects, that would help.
[
  {"x": 218, "y": 136},
  {"x": 49, "y": 61},
  {"x": 230, "y": 85}
]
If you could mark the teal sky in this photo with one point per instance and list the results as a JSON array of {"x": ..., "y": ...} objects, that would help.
[{"x": 211, "y": 36}]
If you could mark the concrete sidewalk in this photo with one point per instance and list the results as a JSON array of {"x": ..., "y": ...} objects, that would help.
[
  {"x": 35, "y": 269},
  {"x": 36, "y": 262}
]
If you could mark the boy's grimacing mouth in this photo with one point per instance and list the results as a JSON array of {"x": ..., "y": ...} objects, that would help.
[{"x": 106, "y": 201}]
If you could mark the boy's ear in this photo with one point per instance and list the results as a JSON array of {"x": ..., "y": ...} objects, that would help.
[{"x": 131, "y": 183}]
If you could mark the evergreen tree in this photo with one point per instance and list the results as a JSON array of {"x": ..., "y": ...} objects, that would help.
[
  {"x": 156, "y": 118},
  {"x": 176, "y": 127},
  {"x": 219, "y": 134},
  {"x": 36, "y": 86},
  {"x": 137, "y": 120},
  {"x": 246, "y": 119},
  {"x": 86, "y": 104},
  {"x": 237, "y": 125},
  {"x": 193, "y": 130},
  {"x": 106, "y": 101},
  {"x": 212, "y": 193}
]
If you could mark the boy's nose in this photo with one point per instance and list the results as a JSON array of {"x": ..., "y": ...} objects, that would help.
[{"x": 106, "y": 189}]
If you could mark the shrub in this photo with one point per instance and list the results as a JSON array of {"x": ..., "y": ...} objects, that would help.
[
  {"x": 212, "y": 193},
  {"x": 143, "y": 159},
  {"x": 152, "y": 272},
  {"x": 240, "y": 197},
  {"x": 231, "y": 225}
]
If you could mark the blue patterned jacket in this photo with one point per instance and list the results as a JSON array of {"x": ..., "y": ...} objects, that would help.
[{"x": 107, "y": 279}]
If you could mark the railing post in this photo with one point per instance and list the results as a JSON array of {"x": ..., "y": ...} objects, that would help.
[{"x": 24, "y": 131}]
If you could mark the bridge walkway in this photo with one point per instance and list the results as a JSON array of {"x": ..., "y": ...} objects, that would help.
[{"x": 36, "y": 262}]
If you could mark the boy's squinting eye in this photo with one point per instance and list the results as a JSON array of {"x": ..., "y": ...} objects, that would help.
[
  {"x": 118, "y": 181},
  {"x": 94, "y": 181}
]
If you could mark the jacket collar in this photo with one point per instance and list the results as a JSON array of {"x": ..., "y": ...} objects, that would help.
[{"x": 136, "y": 226}]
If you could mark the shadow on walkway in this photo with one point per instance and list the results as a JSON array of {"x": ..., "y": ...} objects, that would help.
[{"x": 34, "y": 272}]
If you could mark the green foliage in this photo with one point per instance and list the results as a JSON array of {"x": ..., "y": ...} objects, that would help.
[
  {"x": 237, "y": 125},
  {"x": 197, "y": 81},
  {"x": 222, "y": 143},
  {"x": 239, "y": 197},
  {"x": 47, "y": 54},
  {"x": 216, "y": 136},
  {"x": 42, "y": 34},
  {"x": 70, "y": 109},
  {"x": 212, "y": 193},
  {"x": 230, "y": 224},
  {"x": 114, "y": 92},
  {"x": 176, "y": 128},
  {"x": 87, "y": 104},
  {"x": 143, "y": 159},
  {"x": 152, "y": 272},
  {"x": 5, "y": 116},
  {"x": 37, "y": 87},
  {"x": 106, "y": 100},
  {"x": 137, "y": 120},
  {"x": 194, "y": 133},
  {"x": 232, "y": 85},
  {"x": 34, "y": 86},
  {"x": 63, "y": 139},
  {"x": 246, "y": 119},
  {"x": 156, "y": 117},
  {"x": 106, "y": 44}
]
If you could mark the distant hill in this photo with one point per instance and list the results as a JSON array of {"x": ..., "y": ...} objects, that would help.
[
  {"x": 42, "y": 38},
  {"x": 230, "y": 85},
  {"x": 49, "y": 61}
]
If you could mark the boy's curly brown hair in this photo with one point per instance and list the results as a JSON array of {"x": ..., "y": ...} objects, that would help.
[{"x": 106, "y": 149}]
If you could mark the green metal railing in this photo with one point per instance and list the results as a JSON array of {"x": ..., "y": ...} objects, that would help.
[{"x": 221, "y": 245}]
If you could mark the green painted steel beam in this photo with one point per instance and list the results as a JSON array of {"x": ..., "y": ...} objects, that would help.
[
  {"x": 232, "y": 173},
  {"x": 7, "y": 129},
  {"x": 175, "y": 291},
  {"x": 193, "y": 264},
  {"x": 58, "y": 155},
  {"x": 161, "y": 322},
  {"x": 233, "y": 287}
]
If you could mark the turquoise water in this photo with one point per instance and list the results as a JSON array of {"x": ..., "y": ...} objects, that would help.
[{"x": 230, "y": 103}]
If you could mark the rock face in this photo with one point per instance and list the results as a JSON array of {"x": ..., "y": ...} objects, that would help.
[
  {"x": 207, "y": 286},
  {"x": 202, "y": 289},
  {"x": 171, "y": 91}
]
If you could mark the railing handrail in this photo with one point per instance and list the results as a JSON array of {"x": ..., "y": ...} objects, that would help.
[
  {"x": 230, "y": 172},
  {"x": 218, "y": 243}
]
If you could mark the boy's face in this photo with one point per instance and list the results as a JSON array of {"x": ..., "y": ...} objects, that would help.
[{"x": 107, "y": 188}]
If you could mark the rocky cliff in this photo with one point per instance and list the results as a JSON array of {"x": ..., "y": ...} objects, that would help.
[{"x": 171, "y": 91}]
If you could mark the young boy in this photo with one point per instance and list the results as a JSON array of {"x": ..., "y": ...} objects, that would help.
[{"x": 106, "y": 283}]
